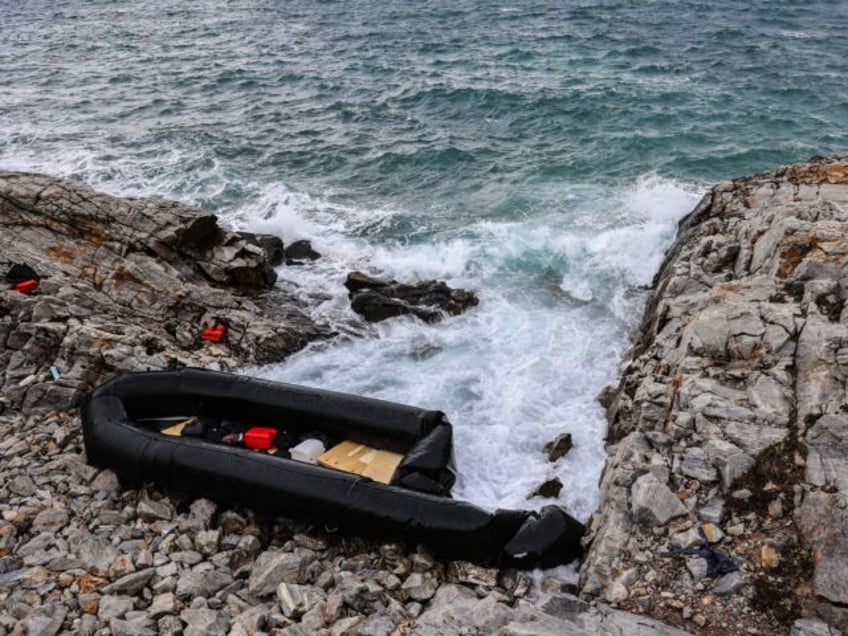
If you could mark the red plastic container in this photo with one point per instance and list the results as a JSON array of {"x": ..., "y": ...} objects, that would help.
[
  {"x": 26, "y": 286},
  {"x": 213, "y": 334},
  {"x": 260, "y": 438}
]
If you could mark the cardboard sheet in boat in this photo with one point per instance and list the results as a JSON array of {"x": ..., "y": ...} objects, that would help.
[{"x": 353, "y": 457}]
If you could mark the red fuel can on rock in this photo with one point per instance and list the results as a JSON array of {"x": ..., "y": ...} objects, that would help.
[
  {"x": 26, "y": 286},
  {"x": 213, "y": 334},
  {"x": 259, "y": 438}
]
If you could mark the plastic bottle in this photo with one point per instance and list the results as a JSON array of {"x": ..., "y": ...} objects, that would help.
[{"x": 307, "y": 451}]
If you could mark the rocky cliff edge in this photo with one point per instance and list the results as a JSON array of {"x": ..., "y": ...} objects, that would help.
[{"x": 731, "y": 417}]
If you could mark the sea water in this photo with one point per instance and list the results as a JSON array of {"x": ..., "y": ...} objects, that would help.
[{"x": 536, "y": 152}]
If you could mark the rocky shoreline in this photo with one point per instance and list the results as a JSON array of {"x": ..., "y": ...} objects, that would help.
[
  {"x": 729, "y": 417},
  {"x": 130, "y": 284}
]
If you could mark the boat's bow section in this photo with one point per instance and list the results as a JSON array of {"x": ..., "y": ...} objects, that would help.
[
  {"x": 414, "y": 507},
  {"x": 429, "y": 464}
]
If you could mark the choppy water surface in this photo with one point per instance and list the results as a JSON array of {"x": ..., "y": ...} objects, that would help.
[{"x": 539, "y": 153}]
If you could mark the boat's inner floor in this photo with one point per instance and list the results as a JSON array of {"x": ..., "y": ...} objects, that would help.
[{"x": 362, "y": 457}]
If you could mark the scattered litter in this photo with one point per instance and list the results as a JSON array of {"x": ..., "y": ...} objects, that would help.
[
  {"x": 21, "y": 272},
  {"x": 177, "y": 429},
  {"x": 718, "y": 562},
  {"x": 54, "y": 371},
  {"x": 308, "y": 450}
]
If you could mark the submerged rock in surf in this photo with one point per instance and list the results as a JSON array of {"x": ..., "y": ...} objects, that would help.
[
  {"x": 376, "y": 300},
  {"x": 300, "y": 251}
]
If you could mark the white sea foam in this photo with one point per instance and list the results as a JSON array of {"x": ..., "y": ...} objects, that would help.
[
  {"x": 115, "y": 171},
  {"x": 528, "y": 362}
]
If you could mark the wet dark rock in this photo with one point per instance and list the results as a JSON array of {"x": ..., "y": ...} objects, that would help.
[
  {"x": 270, "y": 244},
  {"x": 301, "y": 251},
  {"x": 559, "y": 447},
  {"x": 549, "y": 489},
  {"x": 429, "y": 301}
]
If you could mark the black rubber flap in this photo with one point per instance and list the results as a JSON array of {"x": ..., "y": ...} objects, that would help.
[
  {"x": 547, "y": 538},
  {"x": 428, "y": 466}
]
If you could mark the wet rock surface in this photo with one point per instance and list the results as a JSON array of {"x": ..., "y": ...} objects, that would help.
[
  {"x": 731, "y": 411},
  {"x": 376, "y": 300}
]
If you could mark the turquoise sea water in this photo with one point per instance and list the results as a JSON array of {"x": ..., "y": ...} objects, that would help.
[{"x": 539, "y": 153}]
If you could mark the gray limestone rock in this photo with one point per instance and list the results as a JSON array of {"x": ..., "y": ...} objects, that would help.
[
  {"x": 252, "y": 621},
  {"x": 728, "y": 583},
  {"x": 206, "y": 541},
  {"x": 136, "y": 279},
  {"x": 653, "y": 502},
  {"x": 296, "y": 600},
  {"x": 45, "y": 620},
  {"x": 827, "y": 452},
  {"x": 812, "y": 627},
  {"x": 170, "y": 626},
  {"x": 114, "y": 607},
  {"x": 473, "y": 574},
  {"x": 376, "y": 624},
  {"x": 193, "y": 583},
  {"x": 419, "y": 586},
  {"x": 356, "y": 592},
  {"x": 151, "y": 510},
  {"x": 142, "y": 626},
  {"x": 696, "y": 464},
  {"x": 741, "y": 347},
  {"x": 273, "y": 568},
  {"x": 106, "y": 481},
  {"x": 200, "y": 622},
  {"x": 22, "y": 485},
  {"x": 131, "y": 583},
  {"x": 163, "y": 605},
  {"x": 455, "y": 608},
  {"x": 829, "y": 540},
  {"x": 53, "y": 519},
  {"x": 200, "y": 515}
]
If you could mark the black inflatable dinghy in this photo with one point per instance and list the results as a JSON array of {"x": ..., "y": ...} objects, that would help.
[{"x": 227, "y": 437}]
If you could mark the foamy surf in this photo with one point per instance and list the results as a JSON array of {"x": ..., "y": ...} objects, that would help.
[{"x": 529, "y": 361}]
